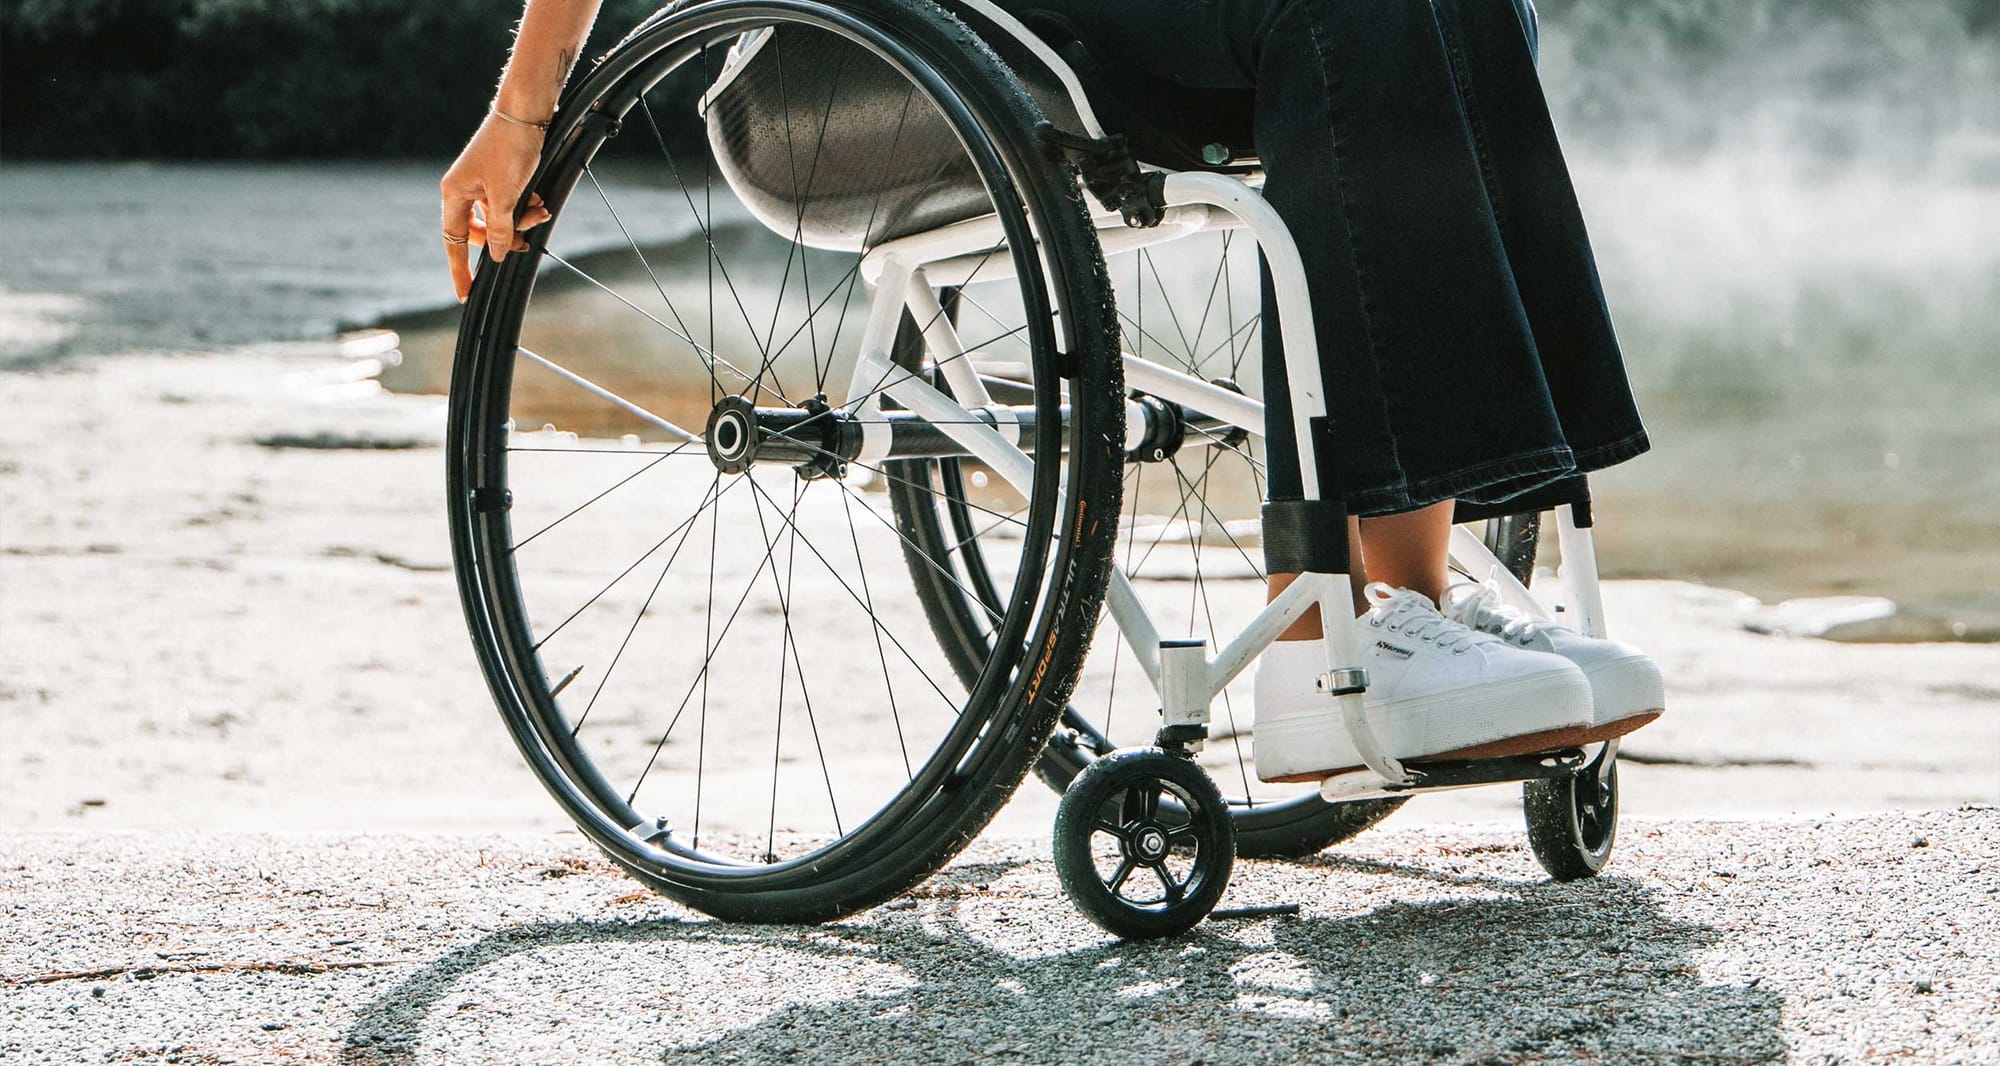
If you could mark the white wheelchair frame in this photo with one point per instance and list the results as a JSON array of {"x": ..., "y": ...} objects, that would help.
[{"x": 905, "y": 275}]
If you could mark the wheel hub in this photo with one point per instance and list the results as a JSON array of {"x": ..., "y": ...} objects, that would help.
[
  {"x": 1149, "y": 843},
  {"x": 731, "y": 435},
  {"x": 811, "y": 438}
]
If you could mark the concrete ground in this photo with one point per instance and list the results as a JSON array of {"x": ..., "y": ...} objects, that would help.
[{"x": 1827, "y": 940}]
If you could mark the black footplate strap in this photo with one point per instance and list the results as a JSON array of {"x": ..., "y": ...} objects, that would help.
[{"x": 1459, "y": 773}]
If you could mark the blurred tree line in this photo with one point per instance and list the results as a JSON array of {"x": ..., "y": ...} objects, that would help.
[
  {"x": 227, "y": 79},
  {"x": 234, "y": 79}
]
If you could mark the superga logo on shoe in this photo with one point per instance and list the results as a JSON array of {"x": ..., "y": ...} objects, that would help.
[{"x": 1400, "y": 653}]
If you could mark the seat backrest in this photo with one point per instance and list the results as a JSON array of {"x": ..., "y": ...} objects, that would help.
[
  {"x": 821, "y": 141},
  {"x": 827, "y": 145}
]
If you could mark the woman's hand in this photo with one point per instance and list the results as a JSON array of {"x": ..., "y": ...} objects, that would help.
[{"x": 480, "y": 191}]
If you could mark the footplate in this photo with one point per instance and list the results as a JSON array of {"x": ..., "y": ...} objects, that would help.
[{"x": 1445, "y": 774}]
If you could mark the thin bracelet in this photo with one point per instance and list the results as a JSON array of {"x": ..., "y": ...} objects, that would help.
[{"x": 505, "y": 117}]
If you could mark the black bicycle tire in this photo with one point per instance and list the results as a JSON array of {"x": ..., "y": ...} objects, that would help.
[
  {"x": 1074, "y": 827},
  {"x": 844, "y": 879}
]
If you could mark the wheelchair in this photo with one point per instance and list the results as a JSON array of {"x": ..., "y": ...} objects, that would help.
[{"x": 962, "y": 349}]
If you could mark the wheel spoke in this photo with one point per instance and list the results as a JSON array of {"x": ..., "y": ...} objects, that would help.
[
  {"x": 708, "y": 650},
  {"x": 707, "y": 224},
  {"x": 622, "y": 482},
  {"x": 1222, "y": 442},
  {"x": 590, "y": 451},
  {"x": 778, "y": 732},
  {"x": 603, "y": 393},
  {"x": 1125, "y": 868},
  {"x": 1180, "y": 513},
  {"x": 881, "y": 655},
  {"x": 885, "y": 631},
  {"x": 983, "y": 530},
  {"x": 1172, "y": 316},
  {"x": 571, "y": 617},
  {"x": 684, "y": 332},
  {"x": 805, "y": 694},
  {"x": 701, "y": 676},
  {"x": 640, "y": 616},
  {"x": 715, "y": 360},
  {"x": 991, "y": 614}
]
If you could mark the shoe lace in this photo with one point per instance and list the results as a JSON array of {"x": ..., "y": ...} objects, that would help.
[
  {"x": 1478, "y": 605},
  {"x": 1413, "y": 615}
]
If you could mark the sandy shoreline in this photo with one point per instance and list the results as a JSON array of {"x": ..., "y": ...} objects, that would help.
[{"x": 199, "y": 629}]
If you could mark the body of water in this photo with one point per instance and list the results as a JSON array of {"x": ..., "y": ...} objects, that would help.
[{"x": 1810, "y": 319}]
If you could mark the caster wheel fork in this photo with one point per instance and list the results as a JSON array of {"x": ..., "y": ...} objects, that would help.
[{"x": 1573, "y": 820}]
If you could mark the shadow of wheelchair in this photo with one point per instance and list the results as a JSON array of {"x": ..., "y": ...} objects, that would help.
[{"x": 1519, "y": 971}]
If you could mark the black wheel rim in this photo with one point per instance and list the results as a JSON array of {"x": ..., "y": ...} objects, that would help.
[
  {"x": 1148, "y": 844},
  {"x": 1594, "y": 810}
]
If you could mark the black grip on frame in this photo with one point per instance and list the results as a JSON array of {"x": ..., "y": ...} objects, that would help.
[
  {"x": 1305, "y": 536},
  {"x": 1573, "y": 490}
]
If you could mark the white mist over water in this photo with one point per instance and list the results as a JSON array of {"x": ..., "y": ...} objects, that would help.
[
  {"x": 1796, "y": 210},
  {"x": 1807, "y": 192}
]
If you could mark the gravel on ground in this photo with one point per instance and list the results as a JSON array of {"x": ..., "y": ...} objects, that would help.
[{"x": 1867, "y": 939}]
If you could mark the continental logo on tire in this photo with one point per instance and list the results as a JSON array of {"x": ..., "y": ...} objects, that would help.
[{"x": 1049, "y": 648}]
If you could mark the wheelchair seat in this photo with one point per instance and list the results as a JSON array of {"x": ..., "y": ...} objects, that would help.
[{"x": 799, "y": 110}]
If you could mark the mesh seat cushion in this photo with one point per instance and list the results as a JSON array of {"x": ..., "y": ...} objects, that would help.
[{"x": 826, "y": 144}]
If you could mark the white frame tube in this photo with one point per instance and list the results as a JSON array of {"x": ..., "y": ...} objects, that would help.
[
  {"x": 1197, "y": 202},
  {"x": 1579, "y": 573}
]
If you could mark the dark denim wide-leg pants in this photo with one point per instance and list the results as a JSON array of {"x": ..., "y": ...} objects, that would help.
[{"x": 1467, "y": 347}]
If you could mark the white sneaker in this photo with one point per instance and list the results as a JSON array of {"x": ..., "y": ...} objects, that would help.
[
  {"x": 1435, "y": 689},
  {"x": 1626, "y": 688}
]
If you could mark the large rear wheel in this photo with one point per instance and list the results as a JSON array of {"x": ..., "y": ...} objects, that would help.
[{"x": 694, "y": 613}]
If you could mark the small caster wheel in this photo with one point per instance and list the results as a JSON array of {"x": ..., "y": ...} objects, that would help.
[
  {"x": 1573, "y": 821},
  {"x": 1143, "y": 843}
]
